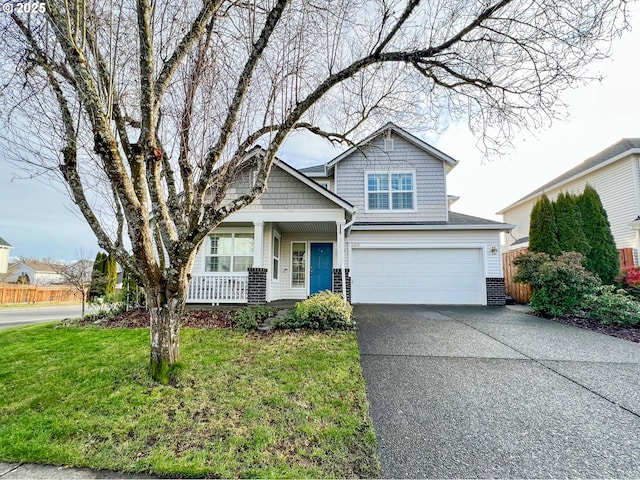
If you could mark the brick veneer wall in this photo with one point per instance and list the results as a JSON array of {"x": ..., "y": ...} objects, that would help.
[
  {"x": 337, "y": 282},
  {"x": 495, "y": 292},
  {"x": 257, "y": 286}
]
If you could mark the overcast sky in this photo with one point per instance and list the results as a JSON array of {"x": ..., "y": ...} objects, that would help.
[{"x": 41, "y": 222}]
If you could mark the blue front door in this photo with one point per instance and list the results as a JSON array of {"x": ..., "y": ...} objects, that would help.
[{"x": 321, "y": 267}]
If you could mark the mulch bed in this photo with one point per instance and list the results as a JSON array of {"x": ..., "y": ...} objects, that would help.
[
  {"x": 631, "y": 334},
  {"x": 211, "y": 319},
  {"x": 139, "y": 318}
]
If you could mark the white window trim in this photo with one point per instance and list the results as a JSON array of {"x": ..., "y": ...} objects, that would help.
[
  {"x": 223, "y": 230},
  {"x": 306, "y": 265},
  {"x": 273, "y": 257},
  {"x": 390, "y": 210}
]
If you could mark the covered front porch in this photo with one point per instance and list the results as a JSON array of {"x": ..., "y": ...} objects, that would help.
[{"x": 276, "y": 257}]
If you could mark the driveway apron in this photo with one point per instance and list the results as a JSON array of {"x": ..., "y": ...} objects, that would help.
[{"x": 489, "y": 392}]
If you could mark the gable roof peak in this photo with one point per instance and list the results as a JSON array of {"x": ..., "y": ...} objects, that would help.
[{"x": 390, "y": 126}]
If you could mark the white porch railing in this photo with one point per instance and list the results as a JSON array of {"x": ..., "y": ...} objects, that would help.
[{"x": 218, "y": 288}]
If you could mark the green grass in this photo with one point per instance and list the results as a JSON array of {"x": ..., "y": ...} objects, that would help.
[{"x": 239, "y": 405}]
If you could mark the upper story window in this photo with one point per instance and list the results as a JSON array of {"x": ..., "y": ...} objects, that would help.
[
  {"x": 229, "y": 252},
  {"x": 390, "y": 191}
]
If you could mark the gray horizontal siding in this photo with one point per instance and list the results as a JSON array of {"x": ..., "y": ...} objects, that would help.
[
  {"x": 283, "y": 192},
  {"x": 430, "y": 179}
]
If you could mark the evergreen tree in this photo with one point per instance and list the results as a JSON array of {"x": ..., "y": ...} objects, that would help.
[
  {"x": 543, "y": 231},
  {"x": 571, "y": 237},
  {"x": 603, "y": 258},
  {"x": 98, "y": 276},
  {"x": 111, "y": 275},
  {"x": 23, "y": 279}
]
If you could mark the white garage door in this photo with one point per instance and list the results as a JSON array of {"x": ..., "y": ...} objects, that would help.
[{"x": 421, "y": 275}]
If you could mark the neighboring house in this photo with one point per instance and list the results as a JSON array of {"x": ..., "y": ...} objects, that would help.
[
  {"x": 375, "y": 219},
  {"x": 615, "y": 175},
  {"x": 40, "y": 273},
  {"x": 5, "y": 247}
]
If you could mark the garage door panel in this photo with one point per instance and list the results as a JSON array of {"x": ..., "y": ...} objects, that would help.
[{"x": 432, "y": 276}]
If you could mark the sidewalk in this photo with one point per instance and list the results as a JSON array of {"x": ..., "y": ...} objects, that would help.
[{"x": 30, "y": 471}]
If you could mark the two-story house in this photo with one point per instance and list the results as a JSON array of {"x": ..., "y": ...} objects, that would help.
[
  {"x": 614, "y": 173},
  {"x": 373, "y": 223}
]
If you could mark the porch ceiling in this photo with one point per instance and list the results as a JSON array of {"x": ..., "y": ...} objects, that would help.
[{"x": 307, "y": 227}]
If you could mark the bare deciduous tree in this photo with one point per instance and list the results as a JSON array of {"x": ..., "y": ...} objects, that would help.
[
  {"x": 146, "y": 110},
  {"x": 77, "y": 274}
]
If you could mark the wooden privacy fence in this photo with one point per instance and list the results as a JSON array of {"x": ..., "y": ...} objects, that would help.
[
  {"x": 521, "y": 293},
  {"x": 14, "y": 293},
  {"x": 626, "y": 257}
]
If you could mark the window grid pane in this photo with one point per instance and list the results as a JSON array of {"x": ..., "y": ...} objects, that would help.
[
  {"x": 298, "y": 265},
  {"x": 243, "y": 244},
  {"x": 379, "y": 201},
  {"x": 221, "y": 244},
  {"x": 402, "y": 201},
  {"x": 402, "y": 182},
  {"x": 230, "y": 252},
  {"x": 242, "y": 264},
  {"x": 218, "y": 264},
  {"x": 378, "y": 182}
]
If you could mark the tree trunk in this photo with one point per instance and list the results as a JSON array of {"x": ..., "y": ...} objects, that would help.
[{"x": 166, "y": 308}]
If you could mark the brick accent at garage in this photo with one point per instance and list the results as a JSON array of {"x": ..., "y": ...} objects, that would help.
[
  {"x": 257, "y": 286},
  {"x": 337, "y": 282},
  {"x": 495, "y": 292}
]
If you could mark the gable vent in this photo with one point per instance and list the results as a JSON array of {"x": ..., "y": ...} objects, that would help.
[{"x": 388, "y": 142}]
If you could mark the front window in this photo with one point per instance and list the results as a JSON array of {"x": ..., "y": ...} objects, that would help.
[
  {"x": 298, "y": 264},
  {"x": 276, "y": 258},
  {"x": 229, "y": 252},
  {"x": 390, "y": 191}
]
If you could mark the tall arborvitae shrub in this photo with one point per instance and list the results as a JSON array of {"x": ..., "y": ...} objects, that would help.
[
  {"x": 111, "y": 274},
  {"x": 543, "y": 231},
  {"x": 98, "y": 276},
  {"x": 603, "y": 258},
  {"x": 571, "y": 237}
]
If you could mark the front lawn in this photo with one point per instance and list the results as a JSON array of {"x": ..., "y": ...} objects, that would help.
[{"x": 240, "y": 405}]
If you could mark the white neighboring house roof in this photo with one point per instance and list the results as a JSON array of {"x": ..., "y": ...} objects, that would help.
[
  {"x": 36, "y": 266},
  {"x": 611, "y": 154},
  {"x": 449, "y": 161},
  {"x": 4, "y": 243}
]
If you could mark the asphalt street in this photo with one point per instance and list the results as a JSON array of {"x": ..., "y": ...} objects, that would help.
[{"x": 26, "y": 315}]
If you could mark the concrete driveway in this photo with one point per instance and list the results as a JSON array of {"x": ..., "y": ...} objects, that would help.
[{"x": 490, "y": 392}]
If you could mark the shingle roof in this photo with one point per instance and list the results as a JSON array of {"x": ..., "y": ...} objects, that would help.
[
  {"x": 37, "y": 266},
  {"x": 608, "y": 153},
  {"x": 4, "y": 243},
  {"x": 455, "y": 220},
  {"x": 314, "y": 170}
]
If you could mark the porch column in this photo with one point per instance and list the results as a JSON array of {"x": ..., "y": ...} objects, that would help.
[
  {"x": 340, "y": 243},
  {"x": 257, "y": 286},
  {"x": 341, "y": 279},
  {"x": 258, "y": 244}
]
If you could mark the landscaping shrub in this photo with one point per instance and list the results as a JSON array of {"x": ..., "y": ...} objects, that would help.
[
  {"x": 629, "y": 280},
  {"x": 609, "y": 304},
  {"x": 108, "y": 305},
  {"x": 322, "y": 311},
  {"x": 560, "y": 286},
  {"x": 249, "y": 318}
]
